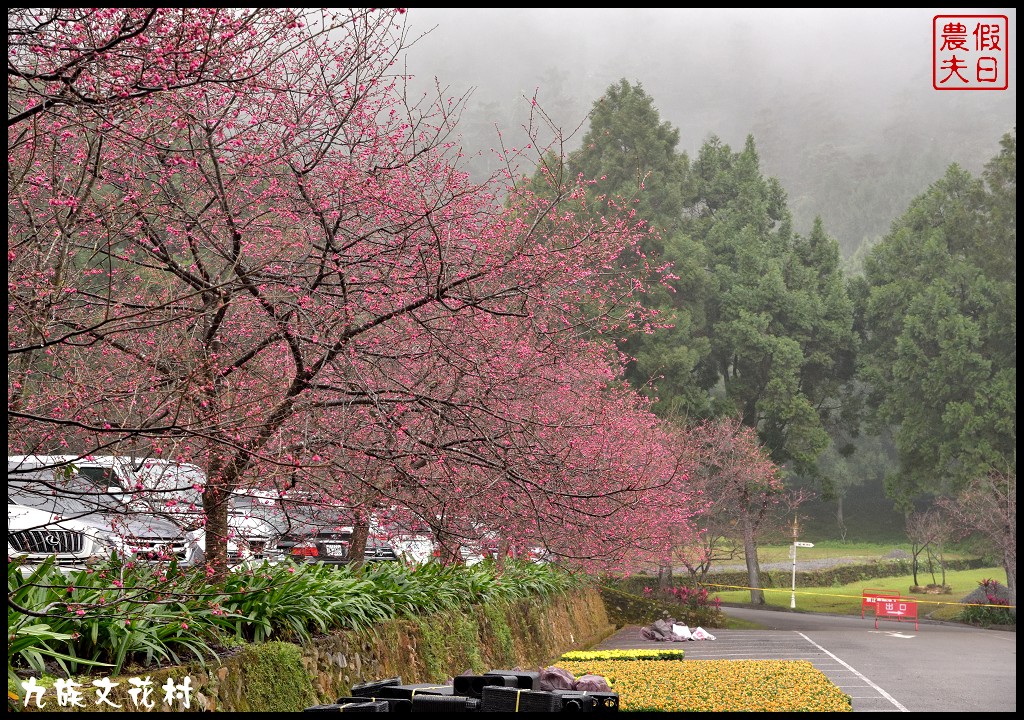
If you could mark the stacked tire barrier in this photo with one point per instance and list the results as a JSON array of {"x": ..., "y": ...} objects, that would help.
[{"x": 494, "y": 691}]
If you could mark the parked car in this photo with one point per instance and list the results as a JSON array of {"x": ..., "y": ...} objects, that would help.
[
  {"x": 49, "y": 514},
  {"x": 312, "y": 529},
  {"x": 34, "y": 536},
  {"x": 413, "y": 549},
  {"x": 378, "y": 550},
  {"x": 158, "y": 482},
  {"x": 167, "y": 488}
]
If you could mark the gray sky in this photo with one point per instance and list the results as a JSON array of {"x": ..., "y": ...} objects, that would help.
[
  {"x": 856, "y": 82},
  {"x": 720, "y": 64}
]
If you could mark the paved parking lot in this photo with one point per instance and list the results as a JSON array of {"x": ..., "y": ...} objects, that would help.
[
  {"x": 894, "y": 668},
  {"x": 770, "y": 645}
]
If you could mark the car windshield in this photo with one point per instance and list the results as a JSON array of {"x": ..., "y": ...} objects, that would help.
[
  {"x": 169, "y": 485},
  {"x": 243, "y": 503},
  {"x": 324, "y": 515},
  {"x": 62, "y": 496},
  {"x": 291, "y": 512}
]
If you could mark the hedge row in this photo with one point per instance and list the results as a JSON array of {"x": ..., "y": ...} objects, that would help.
[{"x": 827, "y": 577}]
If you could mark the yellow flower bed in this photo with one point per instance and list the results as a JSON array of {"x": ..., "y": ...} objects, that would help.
[
  {"x": 623, "y": 655},
  {"x": 716, "y": 685}
]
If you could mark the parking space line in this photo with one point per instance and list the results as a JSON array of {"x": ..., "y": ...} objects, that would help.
[
  {"x": 774, "y": 645},
  {"x": 877, "y": 689}
]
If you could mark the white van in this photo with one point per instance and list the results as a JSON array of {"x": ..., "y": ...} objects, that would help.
[
  {"x": 163, "y": 482},
  {"x": 168, "y": 487}
]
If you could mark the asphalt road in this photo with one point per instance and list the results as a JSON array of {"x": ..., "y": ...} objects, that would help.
[{"x": 941, "y": 667}]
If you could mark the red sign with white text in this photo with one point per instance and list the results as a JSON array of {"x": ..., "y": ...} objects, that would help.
[
  {"x": 897, "y": 608},
  {"x": 970, "y": 52},
  {"x": 870, "y": 596}
]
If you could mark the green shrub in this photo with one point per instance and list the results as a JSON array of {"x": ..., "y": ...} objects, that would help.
[
  {"x": 274, "y": 678},
  {"x": 122, "y": 614},
  {"x": 112, "y": 614},
  {"x": 291, "y": 602},
  {"x": 987, "y": 615},
  {"x": 995, "y": 611}
]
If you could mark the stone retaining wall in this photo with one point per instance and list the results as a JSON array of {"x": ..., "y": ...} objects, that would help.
[{"x": 283, "y": 677}]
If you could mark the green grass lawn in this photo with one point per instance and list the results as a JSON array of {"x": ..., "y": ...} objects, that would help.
[
  {"x": 846, "y": 599},
  {"x": 831, "y": 548},
  {"x": 854, "y": 551}
]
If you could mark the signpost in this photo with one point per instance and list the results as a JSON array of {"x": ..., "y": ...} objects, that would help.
[{"x": 792, "y": 554}]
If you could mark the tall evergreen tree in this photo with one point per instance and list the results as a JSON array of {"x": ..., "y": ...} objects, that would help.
[
  {"x": 941, "y": 325},
  {"x": 778, "y": 316},
  {"x": 762, "y": 324},
  {"x": 762, "y": 321},
  {"x": 630, "y": 153}
]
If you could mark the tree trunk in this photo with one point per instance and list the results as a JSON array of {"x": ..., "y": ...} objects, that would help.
[
  {"x": 215, "y": 507},
  {"x": 665, "y": 580},
  {"x": 840, "y": 520},
  {"x": 446, "y": 547},
  {"x": 450, "y": 555},
  {"x": 942, "y": 566},
  {"x": 753, "y": 566},
  {"x": 1010, "y": 565},
  {"x": 357, "y": 546},
  {"x": 504, "y": 550}
]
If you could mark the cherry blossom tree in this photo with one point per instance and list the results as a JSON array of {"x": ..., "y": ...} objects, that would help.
[
  {"x": 234, "y": 240},
  {"x": 100, "y": 58},
  {"x": 745, "y": 494},
  {"x": 987, "y": 508}
]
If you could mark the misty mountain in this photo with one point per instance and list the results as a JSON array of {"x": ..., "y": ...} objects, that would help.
[{"x": 840, "y": 101}]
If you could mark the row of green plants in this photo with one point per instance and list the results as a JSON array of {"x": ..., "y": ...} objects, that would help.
[
  {"x": 638, "y": 600},
  {"x": 824, "y": 577},
  {"x": 116, "y": 616}
]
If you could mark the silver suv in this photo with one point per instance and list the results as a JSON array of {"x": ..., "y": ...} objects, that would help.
[
  {"x": 68, "y": 518},
  {"x": 165, "y": 488}
]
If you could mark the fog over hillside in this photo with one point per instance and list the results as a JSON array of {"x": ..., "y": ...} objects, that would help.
[{"x": 840, "y": 101}]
